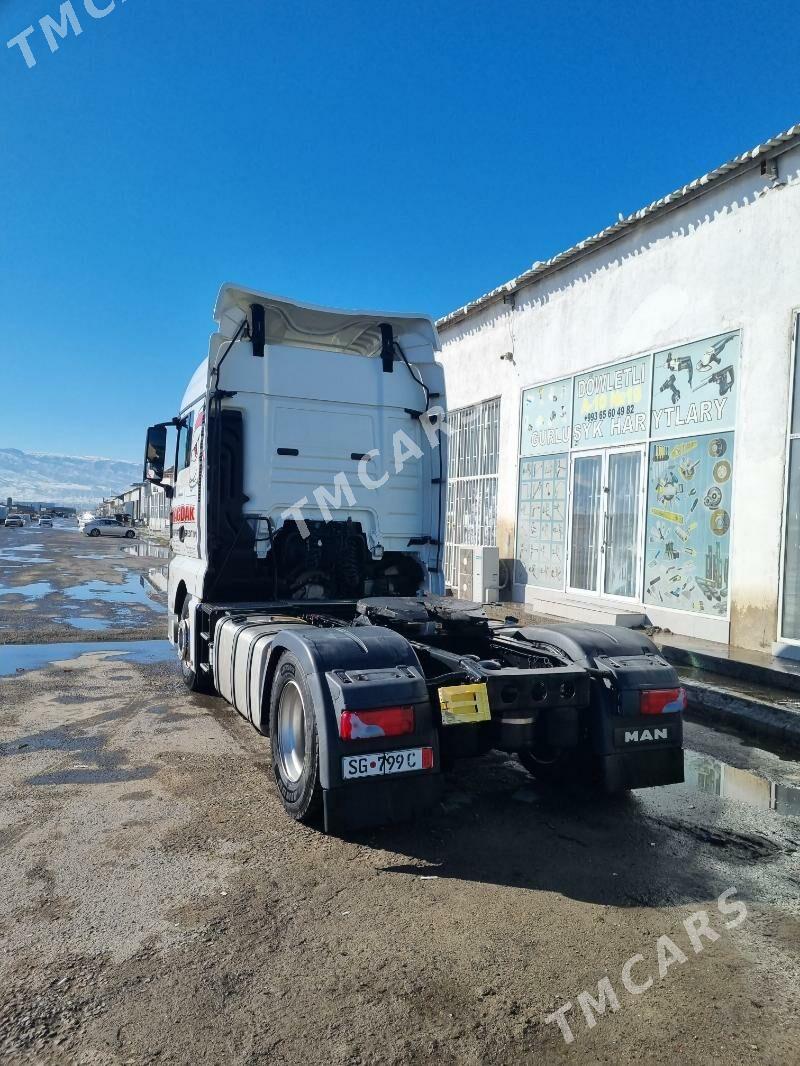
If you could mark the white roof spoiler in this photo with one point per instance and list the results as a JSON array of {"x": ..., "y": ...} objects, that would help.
[{"x": 309, "y": 326}]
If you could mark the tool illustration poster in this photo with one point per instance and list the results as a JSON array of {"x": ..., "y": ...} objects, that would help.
[
  {"x": 541, "y": 522},
  {"x": 611, "y": 404},
  {"x": 695, "y": 387},
  {"x": 546, "y": 418},
  {"x": 688, "y": 523}
]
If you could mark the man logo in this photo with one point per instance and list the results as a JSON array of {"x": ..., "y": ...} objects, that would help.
[{"x": 635, "y": 735}]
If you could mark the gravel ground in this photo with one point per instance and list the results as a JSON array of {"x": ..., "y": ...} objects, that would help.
[
  {"x": 156, "y": 904},
  {"x": 58, "y": 584}
]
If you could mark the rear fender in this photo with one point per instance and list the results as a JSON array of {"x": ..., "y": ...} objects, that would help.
[
  {"x": 623, "y": 662},
  {"x": 327, "y": 654}
]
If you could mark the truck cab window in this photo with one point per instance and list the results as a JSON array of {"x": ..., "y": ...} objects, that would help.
[{"x": 185, "y": 442}]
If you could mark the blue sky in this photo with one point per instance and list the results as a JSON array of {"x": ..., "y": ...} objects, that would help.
[{"x": 406, "y": 156}]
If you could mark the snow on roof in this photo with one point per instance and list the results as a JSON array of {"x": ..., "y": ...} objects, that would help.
[{"x": 685, "y": 193}]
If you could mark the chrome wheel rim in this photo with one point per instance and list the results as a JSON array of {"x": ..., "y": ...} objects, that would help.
[
  {"x": 291, "y": 732},
  {"x": 183, "y": 639}
]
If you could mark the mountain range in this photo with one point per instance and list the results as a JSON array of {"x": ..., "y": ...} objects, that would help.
[{"x": 75, "y": 480}]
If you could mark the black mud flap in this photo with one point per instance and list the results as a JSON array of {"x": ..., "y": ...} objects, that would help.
[
  {"x": 645, "y": 751},
  {"x": 366, "y": 804},
  {"x": 641, "y": 769},
  {"x": 628, "y": 749}
]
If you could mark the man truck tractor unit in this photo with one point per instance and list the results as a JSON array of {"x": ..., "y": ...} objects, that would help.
[{"x": 308, "y": 505}]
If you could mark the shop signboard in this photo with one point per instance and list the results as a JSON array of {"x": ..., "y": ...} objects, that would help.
[
  {"x": 695, "y": 387},
  {"x": 541, "y": 523},
  {"x": 687, "y": 553},
  {"x": 546, "y": 418},
  {"x": 612, "y": 404}
]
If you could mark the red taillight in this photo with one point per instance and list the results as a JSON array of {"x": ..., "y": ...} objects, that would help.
[
  {"x": 386, "y": 722},
  {"x": 662, "y": 700}
]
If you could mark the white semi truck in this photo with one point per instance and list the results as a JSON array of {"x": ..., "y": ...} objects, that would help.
[{"x": 306, "y": 584}]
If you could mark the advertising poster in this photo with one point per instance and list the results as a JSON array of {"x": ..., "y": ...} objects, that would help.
[
  {"x": 687, "y": 549},
  {"x": 695, "y": 387},
  {"x": 546, "y": 418},
  {"x": 611, "y": 405},
  {"x": 541, "y": 521}
]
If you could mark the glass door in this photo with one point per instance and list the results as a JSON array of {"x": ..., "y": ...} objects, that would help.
[
  {"x": 623, "y": 523},
  {"x": 586, "y": 522},
  {"x": 606, "y": 522}
]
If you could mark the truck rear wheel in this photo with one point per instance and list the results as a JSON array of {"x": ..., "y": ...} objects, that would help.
[
  {"x": 547, "y": 764},
  {"x": 294, "y": 739},
  {"x": 556, "y": 766}
]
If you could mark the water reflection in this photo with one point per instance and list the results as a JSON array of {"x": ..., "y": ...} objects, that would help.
[
  {"x": 128, "y": 591},
  {"x": 15, "y": 657},
  {"x": 88, "y": 622},
  {"x": 21, "y": 553},
  {"x": 707, "y": 774},
  {"x": 35, "y": 591},
  {"x": 147, "y": 548}
]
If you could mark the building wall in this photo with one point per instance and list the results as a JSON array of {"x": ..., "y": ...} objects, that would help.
[
  {"x": 157, "y": 509},
  {"x": 726, "y": 260}
]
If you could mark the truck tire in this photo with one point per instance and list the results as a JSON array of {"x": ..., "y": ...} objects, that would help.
[
  {"x": 557, "y": 766},
  {"x": 549, "y": 767},
  {"x": 195, "y": 682},
  {"x": 294, "y": 740}
]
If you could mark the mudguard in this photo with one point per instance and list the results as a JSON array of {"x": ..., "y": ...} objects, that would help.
[
  {"x": 629, "y": 661},
  {"x": 585, "y": 644},
  {"x": 631, "y": 752},
  {"x": 355, "y": 668}
]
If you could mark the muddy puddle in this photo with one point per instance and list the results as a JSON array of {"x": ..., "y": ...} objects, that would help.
[
  {"x": 156, "y": 579},
  {"x": 23, "y": 554},
  {"x": 37, "y": 590},
  {"x": 712, "y": 776},
  {"x": 126, "y": 593},
  {"x": 146, "y": 549},
  {"x": 120, "y": 618},
  {"x": 90, "y": 623},
  {"x": 17, "y": 657}
]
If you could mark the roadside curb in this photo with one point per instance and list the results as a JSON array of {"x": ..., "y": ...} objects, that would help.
[{"x": 755, "y": 717}]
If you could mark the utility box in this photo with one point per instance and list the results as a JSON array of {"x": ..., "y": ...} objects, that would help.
[{"x": 479, "y": 573}]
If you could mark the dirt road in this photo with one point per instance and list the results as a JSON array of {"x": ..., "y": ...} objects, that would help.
[
  {"x": 156, "y": 905},
  {"x": 58, "y": 584}
]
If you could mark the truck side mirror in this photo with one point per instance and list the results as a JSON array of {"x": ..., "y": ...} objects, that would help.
[{"x": 155, "y": 454}]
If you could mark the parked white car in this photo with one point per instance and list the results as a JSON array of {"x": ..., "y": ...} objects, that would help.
[{"x": 108, "y": 527}]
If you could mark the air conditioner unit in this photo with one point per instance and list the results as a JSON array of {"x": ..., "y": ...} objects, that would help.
[{"x": 478, "y": 573}]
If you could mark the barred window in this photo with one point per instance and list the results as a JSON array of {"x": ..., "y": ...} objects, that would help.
[{"x": 474, "y": 447}]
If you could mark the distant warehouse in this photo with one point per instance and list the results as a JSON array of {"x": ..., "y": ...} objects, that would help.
[{"x": 626, "y": 418}]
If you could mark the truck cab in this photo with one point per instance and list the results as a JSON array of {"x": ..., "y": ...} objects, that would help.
[
  {"x": 306, "y": 584},
  {"x": 308, "y": 461}
]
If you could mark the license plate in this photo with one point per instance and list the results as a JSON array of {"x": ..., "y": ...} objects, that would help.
[{"x": 387, "y": 762}]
